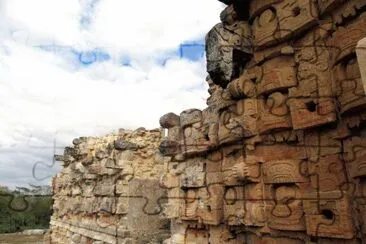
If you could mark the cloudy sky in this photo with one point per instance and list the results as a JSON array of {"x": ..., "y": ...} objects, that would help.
[{"x": 75, "y": 68}]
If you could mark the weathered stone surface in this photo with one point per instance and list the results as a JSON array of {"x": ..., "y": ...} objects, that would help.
[
  {"x": 143, "y": 212},
  {"x": 79, "y": 140},
  {"x": 169, "y": 148},
  {"x": 282, "y": 214},
  {"x": 278, "y": 21},
  {"x": 243, "y": 86},
  {"x": 190, "y": 117},
  {"x": 361, "y": 58},
  {"x": 274, "y": 113},
  {"x": 311, "y": 112},
  {"x": 344, "y": 12},
  {"x": 121, "y": 144},
  {"x": 288, "y": 136},
  {"x": 228, "y": 47},
  {"x": 169, "y": 120},
  {"x": 92, "y": 199},
  {"x": 276, "y": 74}
]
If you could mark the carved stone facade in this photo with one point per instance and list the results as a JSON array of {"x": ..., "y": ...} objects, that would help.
[
  {"x": 278, "y": 155},
  {"x": 108, "y": 190}
]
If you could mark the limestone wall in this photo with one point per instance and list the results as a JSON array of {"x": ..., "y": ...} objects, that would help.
[
  {"x": 278, "y": 155},
  {"x": 108, "y": 190}
]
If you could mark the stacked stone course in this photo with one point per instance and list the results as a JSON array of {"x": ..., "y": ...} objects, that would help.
[
  {"x": 108, "y": 190},
  {"x": 278, "y": 155}
]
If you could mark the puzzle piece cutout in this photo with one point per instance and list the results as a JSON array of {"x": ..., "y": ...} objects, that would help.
[
  {"x": 20, "y": 202},
  {"x": 23, "y": 206}
]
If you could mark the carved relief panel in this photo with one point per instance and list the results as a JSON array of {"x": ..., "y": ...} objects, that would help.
[
  {"x": 281, "y": 20},
  {"x": 311, "y": 102},
  {"x": 237, "y": 170},
  {"x": 328, "y": 214},
  {"x": 203, "y": 204},
  {"x": 244, "y": 86},
  {"x": 194, "y": 173},
  {"x": 247, "y": 110},
  {"x": 348, "y": 84},
  {"x": 276, "y": 74},
  {"x": 244, "y": 205},
  {"x": 328, "y": 173},
  {"x": 285, "y": 171},
  {"x": 346, "y": 74},
  {"x": 355, "y": 156},
  {"x": 254, "y": 205},
  {"x": 230, "y": 129},
  {"x": 274, "y": 113},
  {"x": 194, "y": 138},
  {"x": 284, "y": 207},
  {"x": 234, "y": 205}
]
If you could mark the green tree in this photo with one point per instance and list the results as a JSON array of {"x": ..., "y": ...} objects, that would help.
[{"x": 36, "y": 215}]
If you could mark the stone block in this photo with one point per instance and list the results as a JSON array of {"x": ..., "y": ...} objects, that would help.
[
  {"x": 274, "y": 113},
  {"x": 328, "y": 214},
  {"x": 228, "y": 47}
]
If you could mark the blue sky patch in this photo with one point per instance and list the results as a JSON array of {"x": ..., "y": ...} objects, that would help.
[{"x": 193, "y": 50}]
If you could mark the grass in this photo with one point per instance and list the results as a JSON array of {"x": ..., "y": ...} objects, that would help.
[{"x": 21, "y": 239}]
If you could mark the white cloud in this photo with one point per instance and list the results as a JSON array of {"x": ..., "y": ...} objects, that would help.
[
  {"x": 150, "y": 26},
  {"x": 46, "y": 95},
  {"x": 137, "y": 27},
  {"x": 41, "y": 94},
  {"x": 46, "y": 20}
]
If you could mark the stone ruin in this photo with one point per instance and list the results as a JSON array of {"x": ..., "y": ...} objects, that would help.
[
  {"x": 278, "y": 156},
  {"x": 108, "y": 190}
]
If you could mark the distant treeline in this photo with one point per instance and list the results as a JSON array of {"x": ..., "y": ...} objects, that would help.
[{"x": 19, "y": 211}]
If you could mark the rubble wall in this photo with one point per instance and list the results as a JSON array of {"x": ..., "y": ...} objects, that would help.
[
  {"x": 278, "y": 155},
  {"x": 108, "y": 190}
]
